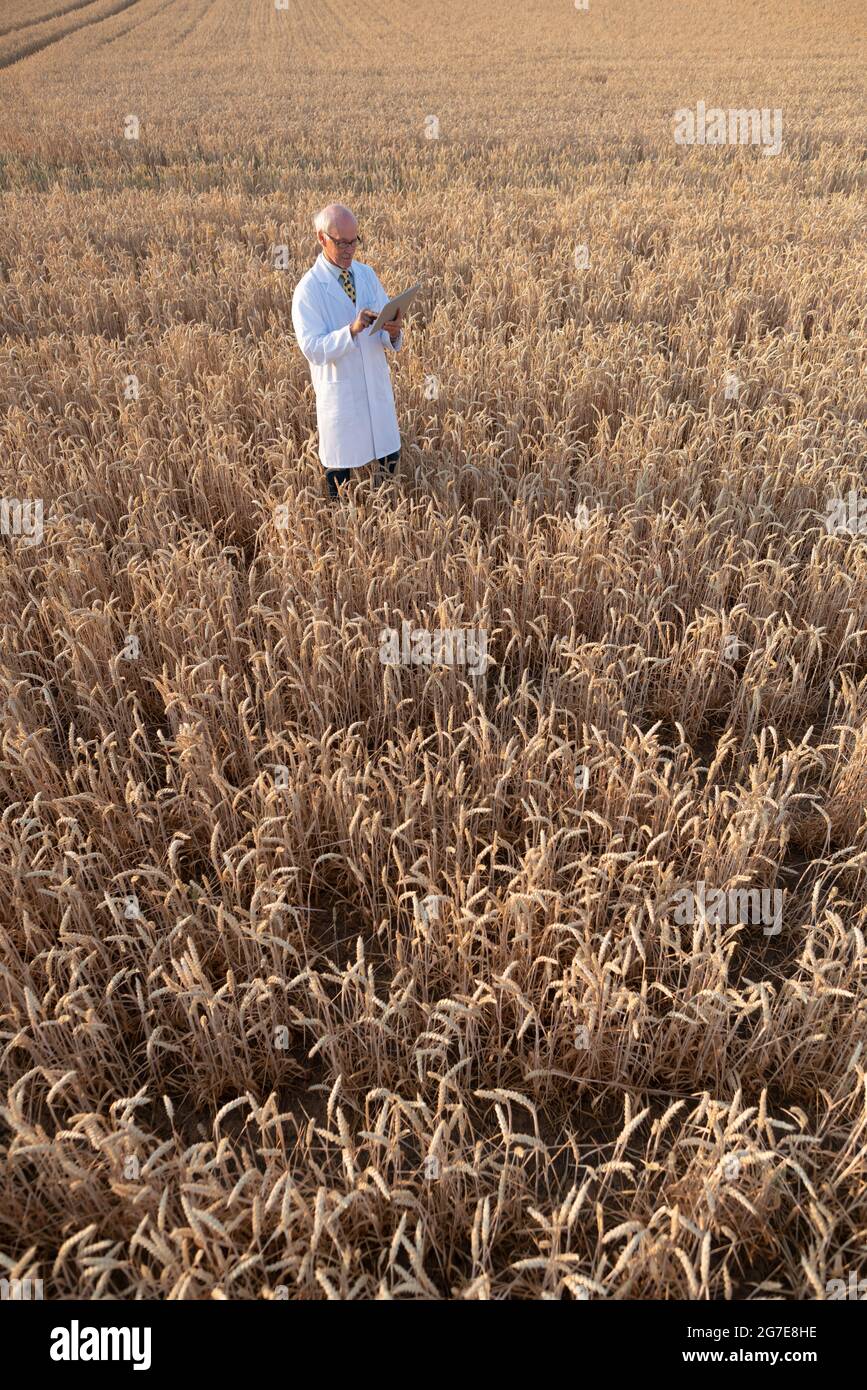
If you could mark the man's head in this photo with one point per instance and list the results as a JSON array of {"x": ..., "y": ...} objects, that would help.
[{"x": 337, "y": 234}]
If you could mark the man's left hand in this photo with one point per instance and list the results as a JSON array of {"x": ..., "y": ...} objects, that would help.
[{"x": 393, "y": 328}]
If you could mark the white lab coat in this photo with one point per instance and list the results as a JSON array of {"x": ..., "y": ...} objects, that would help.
[{"x": 354, "y": 401}]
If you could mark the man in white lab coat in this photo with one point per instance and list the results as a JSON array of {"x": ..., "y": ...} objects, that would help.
[{"x": 332, "y": 308}]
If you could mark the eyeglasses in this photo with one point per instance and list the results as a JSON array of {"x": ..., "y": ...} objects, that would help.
[{"x": 345, "y": 245}]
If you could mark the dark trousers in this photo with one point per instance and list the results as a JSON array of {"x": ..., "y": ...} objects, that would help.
[{"x": 336, "y": 477}]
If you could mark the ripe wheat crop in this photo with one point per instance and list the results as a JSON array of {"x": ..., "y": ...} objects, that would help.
[{"x": 326, "y": 976}]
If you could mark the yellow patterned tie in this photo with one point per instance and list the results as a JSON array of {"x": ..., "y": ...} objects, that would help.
[{"x": 346, "y": 282}]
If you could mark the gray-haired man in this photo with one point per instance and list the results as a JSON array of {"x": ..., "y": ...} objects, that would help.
[{"x": 333, "y": 306}]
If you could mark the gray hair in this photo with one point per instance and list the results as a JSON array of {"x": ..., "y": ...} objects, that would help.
[{"x": 325, "y": 216}]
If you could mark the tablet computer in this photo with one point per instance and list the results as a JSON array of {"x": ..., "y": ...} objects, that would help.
[{"x": 389, "y": 311}]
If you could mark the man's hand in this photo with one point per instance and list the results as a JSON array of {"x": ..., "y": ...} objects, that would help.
[
  {"x": 393, "y": 328},
  {"x": 364, "y": 320}
]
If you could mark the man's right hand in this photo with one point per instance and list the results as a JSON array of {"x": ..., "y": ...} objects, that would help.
[{"x": 364, "y": 320}]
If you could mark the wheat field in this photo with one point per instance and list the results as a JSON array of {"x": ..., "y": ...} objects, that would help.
[{"x": 324, "y": 978}]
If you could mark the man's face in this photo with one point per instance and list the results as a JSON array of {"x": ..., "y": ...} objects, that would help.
[{"x": 343, "y": 229}]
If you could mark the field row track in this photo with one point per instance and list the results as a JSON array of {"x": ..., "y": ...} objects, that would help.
[
  {"x": 24, "y": 42},
  {"x": 32, "y": 12}
]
